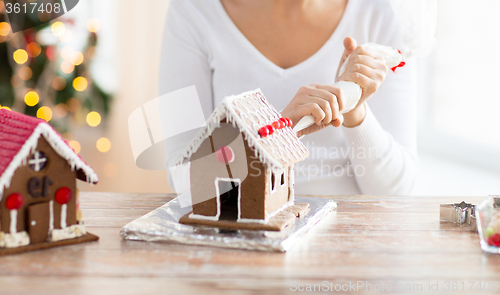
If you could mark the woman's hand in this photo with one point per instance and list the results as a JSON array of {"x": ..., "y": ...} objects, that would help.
[
  {"x": 324, "y": 102},
  {"x": 365, "y": 67}
]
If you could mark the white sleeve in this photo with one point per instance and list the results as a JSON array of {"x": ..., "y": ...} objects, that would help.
[
  {"x": 185, "y": 60},
  {"x": 385, "y": 157}
]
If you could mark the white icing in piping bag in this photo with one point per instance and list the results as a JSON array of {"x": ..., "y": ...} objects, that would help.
[{"x": 352, "y": 91}]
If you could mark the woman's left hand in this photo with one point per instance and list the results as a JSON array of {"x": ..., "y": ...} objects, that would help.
[{"x": 365, "y": 67}]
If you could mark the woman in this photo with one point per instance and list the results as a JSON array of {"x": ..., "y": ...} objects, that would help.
[{"x": 290, "y": 49}]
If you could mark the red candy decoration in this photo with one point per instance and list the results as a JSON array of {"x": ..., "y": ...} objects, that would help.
[
  {"x": 225, "y": 155},
  {"x": 263, "y": 131},
  {"x": 283, "y": 122},
  {"x": 14, "y": 201},
  {"x": 401, "y": 64},
  {"x": 270, "y": 129},
  {"x": 290, "y": 123},
  {"x": 63, "y": 195},
  {"x": 495, "y": 240},
  {"x": 276, "y": 125}
]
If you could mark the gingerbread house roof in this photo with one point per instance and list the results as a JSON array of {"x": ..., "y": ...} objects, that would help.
[
  {"x": 251, "y": 111},
  {"x": 19, "y": 136}
]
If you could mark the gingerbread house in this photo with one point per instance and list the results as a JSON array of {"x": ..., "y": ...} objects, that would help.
[
  {"x": 38, "y": 195},
  {"x": 241, "y": 173}
]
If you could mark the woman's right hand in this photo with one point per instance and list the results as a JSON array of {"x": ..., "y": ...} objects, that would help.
[{"x": 324, "y": 102}]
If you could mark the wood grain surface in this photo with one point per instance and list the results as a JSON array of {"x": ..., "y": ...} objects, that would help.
[{"x": 382, "y": 242}]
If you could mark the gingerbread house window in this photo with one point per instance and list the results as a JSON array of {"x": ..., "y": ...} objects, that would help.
[
  {"x": 37, "y": 161},
  {"x": 272, "y": 182}
]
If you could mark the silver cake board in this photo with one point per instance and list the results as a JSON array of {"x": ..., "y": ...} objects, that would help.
[{"x": 162, "y": 225}]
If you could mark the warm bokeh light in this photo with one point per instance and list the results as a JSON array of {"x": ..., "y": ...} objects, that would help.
[
  {"x": 91, "y": 52},
  {"x": 66, "y": 37},
  {"x": 4, "y": 29},
  {"x": 31, "y": 98},
  {"x": 5, "y": 108},
  {"x": 67, "y": 67},
  {"x": 80, "y": 83},
  {"x": 103, "y": 145},
  {"x": 51, "y": 52},
  {"x": 110, "y": 169},
  {"x": 73, "y": 104},
  {"x": 75, "y": 145},
  {"x": 25, "y": 73},
  {"x": 33, "y": 49},
  {"x": 16, "y": 81},
  {"x": 66, "y": 52},
  {"x": 59, "y": 83},
  {"x": 76, "y": 58},
  {"x": 44, "y": 113},
  {"x": 58, "y": 28},
  {"x": 20, "y": 56},
  {"x": 93, "y": 25},
  {"x": 93, "y": 119},
  {"x": 61, "y": 110}
]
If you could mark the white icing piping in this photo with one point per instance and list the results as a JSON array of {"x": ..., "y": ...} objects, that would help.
[
  {"x": 264, "y": 151},
  {"x": 64, "y": 213},
  {"x": 59, "y": 146},
  {"x": 51, "y": 216},
  {"x": 13, "y": 221},
  {"x": 291, "y": 183}
]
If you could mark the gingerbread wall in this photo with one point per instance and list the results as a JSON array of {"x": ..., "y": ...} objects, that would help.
[
  {"x": 280, "y": 196},
  {"x": 255, "y": 194},
  {"x": 59, "y": 171}
]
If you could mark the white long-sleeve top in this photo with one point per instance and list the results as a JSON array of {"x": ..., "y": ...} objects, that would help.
[{"x": 203, "y": 47}]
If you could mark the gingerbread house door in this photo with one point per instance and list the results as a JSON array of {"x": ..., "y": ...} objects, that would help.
[
  {"x": 38, "y": 222},
  {"x": 229, "y": 198}
]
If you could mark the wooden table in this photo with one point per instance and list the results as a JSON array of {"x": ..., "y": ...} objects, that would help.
[{"x": 394, "y": 241}]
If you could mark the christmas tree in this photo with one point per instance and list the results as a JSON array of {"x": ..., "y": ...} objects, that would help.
[{"x": 42, "y": 76}]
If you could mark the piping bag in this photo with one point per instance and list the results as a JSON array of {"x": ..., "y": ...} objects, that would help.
[{"x": 352, "y": 91}]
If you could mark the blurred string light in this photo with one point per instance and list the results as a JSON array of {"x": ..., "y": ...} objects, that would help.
[
  {"x": 59, "y": 83},
  {"x": 73, "y": 104},
  {"x": 4, "y": 108},
  {"x": 75, "y": 145},
  {"x": 33, "y": 49},
  {"x": 58, "y": 28},
  {"x": 76, "y": 58},
  {"x": 67, "y": 67},
  {"x": 103, "y": 145},
  {"x": 25, "y": 73},
  {"x": 31, "y": 98},
  {"x": 93, "y": 25},
  {"x": 16, "y": 81},
  {"x": 80, "y": 83},
  {"x": 93, "y": 119},
  {"x": 20, "y": 56},
  {"x": 66, "y": 52},
  {"x": 61, "y": 110},
  {"x": 66, "y": 36},
  {"x": 4, "y": 29},
  {"x": 44, "y": 113}
]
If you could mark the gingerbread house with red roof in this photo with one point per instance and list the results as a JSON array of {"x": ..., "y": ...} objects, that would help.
[
  {"x": 241, "y": 173},
  {"x": 38, "y": 195}
]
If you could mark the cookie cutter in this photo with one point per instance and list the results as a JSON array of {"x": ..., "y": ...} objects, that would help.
[{"x": 464, "y": 214}]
